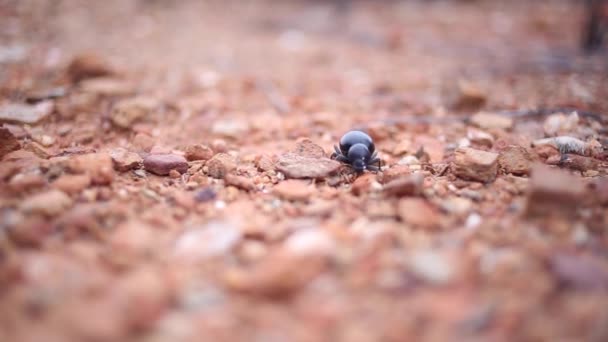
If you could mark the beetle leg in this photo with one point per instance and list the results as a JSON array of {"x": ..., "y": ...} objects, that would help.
[
  {"x": 373, "y": 168},
  {"x": 337, "y": 149},
  {"x": 375, "y": 161},
  {"x": 341, "y": 158},
  {"x": 374, "y": 155}
]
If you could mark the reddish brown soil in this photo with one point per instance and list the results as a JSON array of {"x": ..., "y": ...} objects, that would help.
[{"x": 147, "y": 148}]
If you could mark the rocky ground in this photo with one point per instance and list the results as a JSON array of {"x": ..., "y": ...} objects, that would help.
[{"x": 165, "y": 172}]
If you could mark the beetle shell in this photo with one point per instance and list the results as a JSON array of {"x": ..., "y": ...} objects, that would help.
[
  {"x": 356, "y": 137},
  {"x": 357, "y": 150}
]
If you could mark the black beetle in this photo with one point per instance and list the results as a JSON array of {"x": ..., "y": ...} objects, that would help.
[{"x": 357, "y": 150}]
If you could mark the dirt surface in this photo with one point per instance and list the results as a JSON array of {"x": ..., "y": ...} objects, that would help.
[{"x": 165, "y": 172}]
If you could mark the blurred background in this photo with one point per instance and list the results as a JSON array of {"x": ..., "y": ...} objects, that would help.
[{"x": 414, "y": 46}]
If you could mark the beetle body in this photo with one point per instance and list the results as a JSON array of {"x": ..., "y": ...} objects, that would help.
[{"x": 357, "y": 149}]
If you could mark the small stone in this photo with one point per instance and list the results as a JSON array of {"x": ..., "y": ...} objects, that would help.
[
  {"x": 476, "y": 165},
  {"x": 239, "y": 182},
  {"x": 560, "y": 124},
  {"x": 162, "y": 164},
  {"x": 265, "y": 162},
  {"x": 516, "y": 160},
  {"x": 230, "y": 128},
  {"x": 432, "y": 267},
  {"x": 132, "y": 239},
  {"x": 463, "y": 95},
  {"x": 37, "y": 149},
  {"x": 147, "y": 296},
  {"x": 480, "y": 137},
  {"x": 88, "y": 66},
  {"x": 198, "y": 152},
  {"x": 403, "y": 147},
  {"x": 574, "y": 162},
  {"x": 601, "y": 191},
  {"x": 28, "y": 231},
  {"x": 580, "y": 272},
  {"x": 8, "y": 142},
  {"x": 279, "y": 274},
  {"x": 183, "y": 198},
  {"x": 293, "y": 190},
  {"x": 485, "y": 120},
  {"x": 143, "y": 142},
  {"x": 220, "y": 165},
  {"x": 72, "y": 184},
  {"x": 97, "y": 165},
  {"x": 205, "y": 195},
  {"x": 124, "y": 160},
  {"x": 174, "y": 174},
  {"x": 410, "y": 185},
  {"x": 408, "y": 160},
  {"x": 395, "y": 172},
  {"x": 49, "y": 203},
  {"x": 459, "y": 206},
  {"x": 553, "y": 192},
  {"x": 418, "y": 213},
  {"x": 545, "y": 152},
  {"x": 310, "y": 242},
  {"x": 26, "y": 182},
  {"x": 46, "y": 140},
  {"x": 363, "y": 184},
  {"x": 128, "y": 111},
  {"x": 104, "y": 86},
  {"x": 25, "y": 114},
  {"x": 219, "y": 146},
  {"x": 211, "y": 240}
]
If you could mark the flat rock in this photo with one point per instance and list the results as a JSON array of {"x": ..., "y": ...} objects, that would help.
[
  {"x": 49, "y": 203},
  {"x": 293, "y": 190},
  {"x": 198, "y": 152},
  {"x": 491, "y": 121},
  {"x": 162, "y": 164},
  {"x": 476, "y": 165},
  {"x": 516, "y": 160},
  {"x": 306, "y": 148},
  {"x": 24, "y": 113},
  {"x": 296, "y": 166},
  {"x": 220, "y": 165},
  {"x": 124, "y": 160},
  {"x": 552, "y": 191},
  {"x": 8, "y": 142}
]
